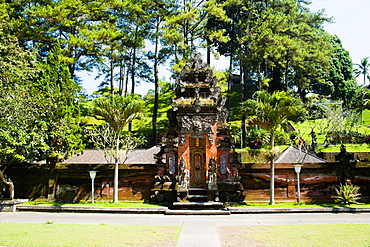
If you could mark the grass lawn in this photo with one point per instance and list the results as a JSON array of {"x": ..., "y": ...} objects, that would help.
[
  {"x": 296, "y": 235},
  {"x": 48, "y": 234}
]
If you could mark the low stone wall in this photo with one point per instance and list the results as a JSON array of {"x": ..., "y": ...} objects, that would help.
[
  {"x": 317, "y": 181},
  {"x": 10, "y": 205},
  {"x": 135, "y": 184},
  {"x": 72, "y": 182}
]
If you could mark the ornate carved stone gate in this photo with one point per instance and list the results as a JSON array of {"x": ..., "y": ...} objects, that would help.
[{"x": 197, "y": 152}]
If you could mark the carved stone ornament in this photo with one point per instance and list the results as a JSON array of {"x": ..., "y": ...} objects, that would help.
[
  {"x": 182, "y": 177},
  {"x": 223, "y": 163},
  {"x": 197, "y": 126},
  {"x": 172, "y": 163},
  {"x": 223, "y": 115},
  {"x": 212, "y": 174}
]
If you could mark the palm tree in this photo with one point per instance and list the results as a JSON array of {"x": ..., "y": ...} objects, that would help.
[
  {"x": 363, "y": 68},
  {"x": 117, "y": 111},
  {"x": 270, "y": 112}
]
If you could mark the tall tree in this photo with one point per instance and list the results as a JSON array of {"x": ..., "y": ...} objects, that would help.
[
  {"x": 118, "y": 112},
  {"x": 270, "y": 112},
  {"x": 363, "y": 68},
  {"x": 18, "y": 68},
  {"x": 338, "y": 81},
  {"x": 159, "y": 10},
  {"x": 185, "y": 29},
  {"x": 45, "y": 124},
  {"x": 72, "y": 24},
  {"x": 274, "y": 44},
  {"x": 57, "y": 101},
  {"x": 276, "y": 40}
]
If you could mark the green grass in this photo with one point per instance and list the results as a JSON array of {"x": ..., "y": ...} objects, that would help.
[
  {"x": 349, "y": 148},
  {"x": 296, "y": 205},
  {"x": 304, "y": 235},
  {"x": 49, "y": 234},
  {"x": 97, "y": 204}
]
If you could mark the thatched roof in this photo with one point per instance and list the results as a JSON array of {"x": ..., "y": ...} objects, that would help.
[
  {"x": 294, "y": 155},
  {"x": 93, "y": 156}
]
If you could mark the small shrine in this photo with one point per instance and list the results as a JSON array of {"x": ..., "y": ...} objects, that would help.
[{"x": 197, "y": 161}]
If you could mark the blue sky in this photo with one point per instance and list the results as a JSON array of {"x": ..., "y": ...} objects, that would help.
[{"x": 351, "y": 25}]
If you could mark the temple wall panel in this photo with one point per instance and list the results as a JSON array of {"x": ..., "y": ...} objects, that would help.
[{"x": 72, "y": 183}]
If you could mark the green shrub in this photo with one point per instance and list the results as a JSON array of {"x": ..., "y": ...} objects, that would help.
[{"x": 347, "y": 194}]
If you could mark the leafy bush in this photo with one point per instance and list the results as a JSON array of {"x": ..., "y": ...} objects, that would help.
[
  {"x": 336, "y": 137},
  {"x": 256, "y": 137},
  {"x": 347, "y": 194},
  {"x": 256, "y": 144},
  {"x": 281, "y": 138}
]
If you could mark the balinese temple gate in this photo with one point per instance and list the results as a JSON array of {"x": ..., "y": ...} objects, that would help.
[{"x": 197, "y": 161}]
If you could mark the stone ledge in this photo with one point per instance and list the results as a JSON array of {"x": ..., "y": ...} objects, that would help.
[
  {"x": 86, "y": 209},
  {"x": 165, "y": 210},
  {"x": 197, "y": 212},
  {"x": 299, "y": 210},
  {"x": 11, "y": 205}
]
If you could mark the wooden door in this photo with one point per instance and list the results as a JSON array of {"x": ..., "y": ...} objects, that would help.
[{"x": 197, "y": 163}]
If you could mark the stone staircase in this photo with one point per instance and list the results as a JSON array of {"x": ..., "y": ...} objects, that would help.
[
  {"x": 197, "y": 195},
  {"x": 197, "y": 208},
  {"x": 197, "y": 204}
]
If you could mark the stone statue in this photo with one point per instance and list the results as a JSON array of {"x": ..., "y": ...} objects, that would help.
[
  {"x": 212, "y": 174},
  {"x": 314, "y": 141},
  {"x": 181, "y": 178},
  {"x": 233, "y": 175},
  {"x": 161, "y": 176}
]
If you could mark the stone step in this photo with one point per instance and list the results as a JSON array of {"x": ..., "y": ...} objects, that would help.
[
  {"x": 197, "y": 212},
  {"x": 198, "y": 204},
  {"x": 197, "y": 191},
  {"x": 197, "y": 198}
]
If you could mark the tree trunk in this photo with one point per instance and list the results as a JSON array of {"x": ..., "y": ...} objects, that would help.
[
  {"x": 243, "y": 81},
  {"x": 9, "y": 183},
  {"x": 229, "y": 82},
  {"x": 122, "y": 74},
  {"x": 133, "y": 64},
  {"x": 156, "y": 86},
  {"x": 272, "y": 172},
  {"x": 276, "y": 84},
  {"x": 208, "y": 55},
  {"x": 272, "y": 181},
  {"x": 111, "y": 80},
  {"x": 116, "y": 166}
]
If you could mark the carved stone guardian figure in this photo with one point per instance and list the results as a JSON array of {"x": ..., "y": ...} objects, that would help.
[
  {"x": 212, "y": 174},
  {"x": 181, "y": 178}
]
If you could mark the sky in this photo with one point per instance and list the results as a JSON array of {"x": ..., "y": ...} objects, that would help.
[{"x": 351, "y": 24}]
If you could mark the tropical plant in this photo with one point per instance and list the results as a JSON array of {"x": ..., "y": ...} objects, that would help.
[
  {"x": 347, "y": 194},
  {"x": 270, "y": 112},
  {"x": 363, "y": 68},
  {"x": 118, "y": 112}
]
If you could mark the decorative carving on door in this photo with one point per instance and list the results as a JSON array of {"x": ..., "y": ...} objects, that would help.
[{"x": 197, "y": 163}]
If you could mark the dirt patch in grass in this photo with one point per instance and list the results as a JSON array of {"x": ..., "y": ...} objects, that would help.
[
  {"x": 295, "y": 235},
  {"x": 237, "y": 236}
]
